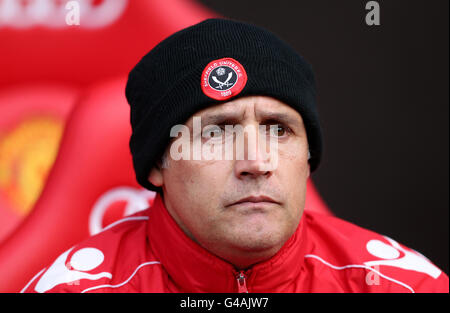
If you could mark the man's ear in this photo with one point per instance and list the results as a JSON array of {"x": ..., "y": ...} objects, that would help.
[{"x": 156, "y": 177}]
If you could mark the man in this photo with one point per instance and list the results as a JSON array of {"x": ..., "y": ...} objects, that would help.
[{"x": 225, "y": 128}]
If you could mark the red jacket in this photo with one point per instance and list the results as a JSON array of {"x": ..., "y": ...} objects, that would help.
[{"x": 148, "y": 252}]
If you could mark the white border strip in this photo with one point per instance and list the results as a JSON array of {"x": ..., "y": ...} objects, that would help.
[
  {"x": 123, "y": 283},
  {"x": 359, "y": 266}
]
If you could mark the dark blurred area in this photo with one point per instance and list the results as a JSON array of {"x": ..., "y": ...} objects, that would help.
[{"x": 384, "y": 107}]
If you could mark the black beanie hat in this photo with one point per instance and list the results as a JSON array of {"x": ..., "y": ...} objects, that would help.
[{"x": 175, "y": 80}]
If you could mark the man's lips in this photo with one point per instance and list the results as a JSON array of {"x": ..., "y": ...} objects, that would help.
[{"x": 255, "y": 200}]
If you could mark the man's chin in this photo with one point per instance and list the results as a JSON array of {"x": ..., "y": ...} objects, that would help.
[{"x": 259, "y": 237}]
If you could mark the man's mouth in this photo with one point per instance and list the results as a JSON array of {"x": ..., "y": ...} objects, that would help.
[{"x": 254, "y": 202}]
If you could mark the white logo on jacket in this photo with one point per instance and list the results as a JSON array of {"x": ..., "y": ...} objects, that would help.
[
  {"x": 390, "y": 253},
  {"x": 63, "y": 272}
]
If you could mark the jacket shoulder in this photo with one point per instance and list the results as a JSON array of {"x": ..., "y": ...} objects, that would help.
[
  {"x": 107, "y": 261},
  {"x": 377, "y": 263}
]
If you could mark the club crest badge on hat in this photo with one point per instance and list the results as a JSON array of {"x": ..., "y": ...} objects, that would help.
[{"x": 223, "y": 79}]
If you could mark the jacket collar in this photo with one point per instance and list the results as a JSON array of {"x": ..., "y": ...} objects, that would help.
[{"x": 191, "y": 268}]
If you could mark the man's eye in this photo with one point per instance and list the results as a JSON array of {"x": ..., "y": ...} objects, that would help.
[
  {"x": 213, "y": 132},
  {"x": 277, "y": 130}
]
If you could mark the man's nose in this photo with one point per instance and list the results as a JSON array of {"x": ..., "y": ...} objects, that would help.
[{"x": 255, "y": 161}]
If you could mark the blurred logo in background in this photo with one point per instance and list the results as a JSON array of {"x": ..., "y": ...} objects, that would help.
[
  {"x": 117, "y": 203},
  {"x": 53, "y": 13},
  {"x": 27, "y": 153}
]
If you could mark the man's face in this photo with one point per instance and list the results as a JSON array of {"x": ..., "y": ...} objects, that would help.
[{"x": 243, "y": 209}]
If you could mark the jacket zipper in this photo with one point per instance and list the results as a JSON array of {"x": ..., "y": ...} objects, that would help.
[{"x": 241, "y": 279}]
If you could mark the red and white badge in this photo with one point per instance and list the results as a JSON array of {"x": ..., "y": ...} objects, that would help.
[{"x": 223, "y": 79}]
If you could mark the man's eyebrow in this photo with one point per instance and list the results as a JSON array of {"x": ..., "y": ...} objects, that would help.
[
  {"x": 220, "y": 118},
  {"x": 278, "y": 117},
  {"x": 264, "y": 118}
]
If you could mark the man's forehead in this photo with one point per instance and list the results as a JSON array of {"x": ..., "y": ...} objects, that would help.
[{"x": 258, "y": 107}]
